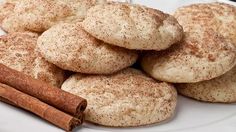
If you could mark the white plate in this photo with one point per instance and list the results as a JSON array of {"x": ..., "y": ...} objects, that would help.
[{"x": 191, "y": 116}]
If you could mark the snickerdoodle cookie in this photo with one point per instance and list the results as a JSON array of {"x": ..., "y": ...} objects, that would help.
[
  {"x": 71, "y": 48},
  {"x": 126, "y": 98},
  {"x": 132, "y": 26}
]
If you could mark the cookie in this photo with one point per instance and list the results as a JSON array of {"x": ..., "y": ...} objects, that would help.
[
  {"x": 17, "y": 51},
  {"x": 221, "y": 89},
  {"x": 204, "y": 53},
  {"x": 71, "y": 48},
  {"x": 219, "y": 17},
  {"x": 126, "y": 98},
  {"x": 39, "y": 15},
  {"x": 132, "y": 26}
]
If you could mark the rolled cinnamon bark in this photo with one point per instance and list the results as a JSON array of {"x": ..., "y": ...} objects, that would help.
[
  {"x": 6, "y": 101},
  {"x": 45, "y": 111},
  {"x": 56, "y": 97}
]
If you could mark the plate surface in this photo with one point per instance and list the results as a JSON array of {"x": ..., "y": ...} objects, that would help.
[{"x": 191, "y": 116}]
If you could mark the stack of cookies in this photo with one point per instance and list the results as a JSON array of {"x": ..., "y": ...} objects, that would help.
[
  {"x": 202, "y": 64},
  {"x": 99, "y": 41}
]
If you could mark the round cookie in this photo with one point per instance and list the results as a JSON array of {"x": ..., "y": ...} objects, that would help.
[
  {"x": 219, "y": 17},
  {"x": 132, "y": 26},
  {"x": 17, "y": 51},
  {"x": 126, "y": 98},
  {"x": 201, "y": 56},
  {"x": 71, "y": 48},
  {"x": 221, "y": 89},
  {"x": 39, "y": 15},
  {"x": 204, "y": 52}
]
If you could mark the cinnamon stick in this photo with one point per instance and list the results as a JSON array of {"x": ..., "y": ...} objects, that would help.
[
  {"x": 56, "y": 97},
  {"x": 6, "y": 101},
  {"x": 45, "y": 111}
]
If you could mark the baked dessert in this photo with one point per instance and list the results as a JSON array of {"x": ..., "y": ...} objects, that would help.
[
  {"x": 132, "y": 26},
  {"x": 126, "y": 98},
  {"x": 71, "y": 48}
]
